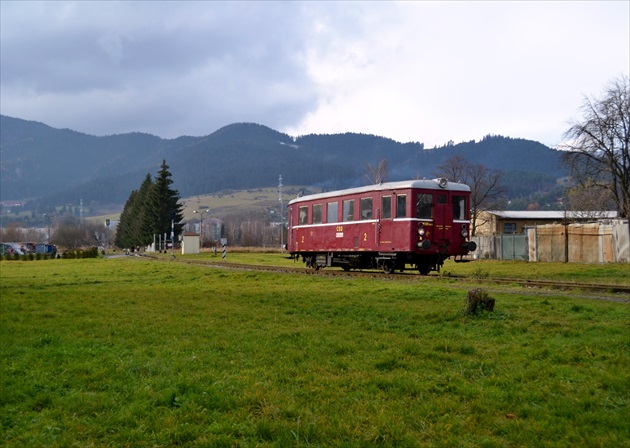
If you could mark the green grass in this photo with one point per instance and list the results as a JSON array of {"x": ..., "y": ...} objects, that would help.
[
  {"x": 606, "y": 273},
  {"x": 130, "y": 352}
]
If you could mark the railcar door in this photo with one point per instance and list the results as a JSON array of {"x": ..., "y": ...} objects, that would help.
[
  {"x": 443, "y": 217},
  {"x": 384, "y": 223},
  {"x": 290, "y": 234}
]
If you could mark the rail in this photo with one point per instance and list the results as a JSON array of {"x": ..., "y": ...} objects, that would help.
[{"x": 621, "y": 292}]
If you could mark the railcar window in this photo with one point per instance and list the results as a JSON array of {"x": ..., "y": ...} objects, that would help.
[
  {"x": 317, "y": 214},
  {"x": 401, "y": 206},
  {"x": 386, "y": 207},
  {"x": 331, "y": 212},
  {"x": 303, "y": 215},
  {"x": 459, "y": 207},
  {"x": 348, "y": 210},
  {"x": 424, "y": 206},
  {"x": 366, "y": 208}
]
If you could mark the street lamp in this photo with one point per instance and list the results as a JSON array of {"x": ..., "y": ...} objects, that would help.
[{"x": 201, "y": 213}]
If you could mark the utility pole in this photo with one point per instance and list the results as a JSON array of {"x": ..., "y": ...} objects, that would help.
[
  {"x": 201, "y": 225},
  {"x": 281, "y": 215},
  {"x": 172, "y": 234}
]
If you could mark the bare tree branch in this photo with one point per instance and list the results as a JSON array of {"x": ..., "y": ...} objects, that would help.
[
  {"x": 486, "y": 191},
  {"x": 377, "y": 174},
  {"x": 598, "y": 147}
]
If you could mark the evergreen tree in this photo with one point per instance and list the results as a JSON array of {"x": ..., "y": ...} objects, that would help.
[
  {"x": 163, "y": 205},
  {"x": 142, "y": 225},
  {"x": 134, "y": 226},
  {"x": 123, "y": 230}
]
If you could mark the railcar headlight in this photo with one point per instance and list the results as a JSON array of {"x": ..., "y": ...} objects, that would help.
[
  {"x": 464, "y": 231},
  {"x": 421, "y": 230}
]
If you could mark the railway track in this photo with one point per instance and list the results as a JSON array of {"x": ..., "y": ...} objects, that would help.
[{"x": 613, "y": 292}]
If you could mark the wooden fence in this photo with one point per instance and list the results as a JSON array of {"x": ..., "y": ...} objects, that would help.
[{"x": 601, "y": 242}]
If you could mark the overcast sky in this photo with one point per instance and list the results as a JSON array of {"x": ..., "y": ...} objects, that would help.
[{"x": 411, "y": 71}]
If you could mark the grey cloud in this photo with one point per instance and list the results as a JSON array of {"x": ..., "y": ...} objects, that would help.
[{"x": 204, "y": 63}]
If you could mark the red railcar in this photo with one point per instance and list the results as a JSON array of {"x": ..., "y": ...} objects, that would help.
[{"x": 386, "y": 226}]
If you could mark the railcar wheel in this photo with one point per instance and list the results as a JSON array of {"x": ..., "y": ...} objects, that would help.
[
  {"x": 346, "y": 267},
  {"x": 388, "y": 267},
  {"x": 310, "y": 262},
  {"x": 424, "y": 269}
]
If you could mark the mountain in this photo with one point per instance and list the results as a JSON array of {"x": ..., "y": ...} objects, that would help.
[
  {"x": 37, "y": 160},
  {"x": 63, "y": 166}
]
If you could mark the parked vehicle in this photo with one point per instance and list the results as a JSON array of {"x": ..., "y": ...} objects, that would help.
[
  {"x": 10, "y": 249},
  {"x": 43, "y": 248}
]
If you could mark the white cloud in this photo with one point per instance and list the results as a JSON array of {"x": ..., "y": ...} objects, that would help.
[{"x": 461, "y": 70}]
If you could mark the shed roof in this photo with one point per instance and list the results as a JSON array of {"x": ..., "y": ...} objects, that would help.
[{"x": 552, "y": 214}]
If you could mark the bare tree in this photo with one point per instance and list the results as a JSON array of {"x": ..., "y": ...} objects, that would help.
[
  {"x": 598, "y": 147},
  {"x": 377, "y": 174},
  {"x": 71, "y": 234},
  {"x": 247, "y": 228},
  {"x": 486, "y": 191},
  {"x": 589, "y": 201},
  {"x": 454, "y": 169},
  {"x": 11, "y": 233}
]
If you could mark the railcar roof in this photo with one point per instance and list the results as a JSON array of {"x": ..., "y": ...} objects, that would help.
[{"x": 429, "y": 184}]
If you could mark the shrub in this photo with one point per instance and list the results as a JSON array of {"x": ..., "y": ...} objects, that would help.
[
  {"x": 478, "y": 300},
  {"x": 87, "y": 253}
]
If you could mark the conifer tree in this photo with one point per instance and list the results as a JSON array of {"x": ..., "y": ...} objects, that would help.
[
  {"x": 124, "y": 228},
  {"x": 142, "y": 217},
  {"x": 163, "y": 205},
  {"x": 134, "y": 226}
]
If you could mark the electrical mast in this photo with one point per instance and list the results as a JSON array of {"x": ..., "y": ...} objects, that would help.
[{"x": 281, "y": 214}]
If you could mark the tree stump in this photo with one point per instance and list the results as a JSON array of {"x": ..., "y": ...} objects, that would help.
[{"x": 478, "y": 299}]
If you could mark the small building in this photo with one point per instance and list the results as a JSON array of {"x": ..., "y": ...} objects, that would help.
[
  {"x": 517, "y": 222},
  {"x": 190, "y": 243}
]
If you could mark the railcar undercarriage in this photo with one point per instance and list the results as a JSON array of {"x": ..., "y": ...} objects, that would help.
[{"x": 388, "y": 262}]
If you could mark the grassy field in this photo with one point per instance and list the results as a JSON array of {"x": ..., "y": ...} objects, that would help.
[{"x": 133, "y": 352}]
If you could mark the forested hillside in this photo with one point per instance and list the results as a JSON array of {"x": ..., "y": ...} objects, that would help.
[
  {"x": 63, "y": 166},
  {"x": 38, "y": 160}
]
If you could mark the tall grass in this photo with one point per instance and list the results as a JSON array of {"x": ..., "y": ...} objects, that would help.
[{"x": 129, "y": 352}]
